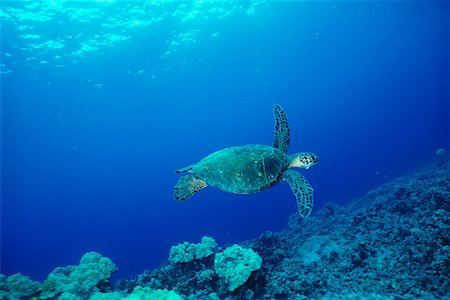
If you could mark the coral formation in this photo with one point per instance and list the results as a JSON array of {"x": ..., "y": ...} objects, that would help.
[
  {"x": 187, "y": 252},
  {"x": 393, "y": 243},
  {"x": 18, "y": 286},
  {"x": 202, "y": 276},
  {"x": 139, "y": 293},
  {"x": 78, "y": 282},
  {"x": 235, "y": 264}
]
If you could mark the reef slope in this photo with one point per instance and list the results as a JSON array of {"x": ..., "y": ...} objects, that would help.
[{"x": 393, "y": 242}]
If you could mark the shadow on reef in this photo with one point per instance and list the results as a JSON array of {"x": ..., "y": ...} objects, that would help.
[{"x": 393, "y": 243}]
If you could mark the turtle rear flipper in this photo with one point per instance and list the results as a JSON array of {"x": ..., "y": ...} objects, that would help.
[
  {"x": 187, "y": 186},
  {"x": 281, "y": 137},
  {"x": 302, "y": 190}
]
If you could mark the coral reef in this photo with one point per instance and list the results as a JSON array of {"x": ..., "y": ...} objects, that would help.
[
  {"x": 187, "y": 252},
  {"x": 213, "y": 276},
  {"x": 139, "y": 293},
  {"x": 393, "y": 243},
  {"x": 18, "y": 286},
  {"x": 78, "y": 282},
  {"x": 235, "y": 264}
]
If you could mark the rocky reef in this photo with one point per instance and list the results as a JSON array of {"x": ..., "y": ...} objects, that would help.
[{"x": 393, "y": 243}]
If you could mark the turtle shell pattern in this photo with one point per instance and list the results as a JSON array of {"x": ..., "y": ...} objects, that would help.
[{"x": 243, "y": 169}]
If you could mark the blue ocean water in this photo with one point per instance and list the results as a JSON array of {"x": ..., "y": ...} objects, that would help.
[{"x": 103, "y": 100}]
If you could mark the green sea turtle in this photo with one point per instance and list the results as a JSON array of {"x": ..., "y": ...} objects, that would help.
[{"x": 252, "y": 168}]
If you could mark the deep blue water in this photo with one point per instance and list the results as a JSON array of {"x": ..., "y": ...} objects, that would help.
[{"x": 103, "y": 101}]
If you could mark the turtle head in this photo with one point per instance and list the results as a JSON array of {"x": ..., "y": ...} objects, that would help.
[{"x": 303, "y": 160}]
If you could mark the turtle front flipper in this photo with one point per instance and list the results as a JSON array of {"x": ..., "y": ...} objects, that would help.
[
  {"x": 187, "y": 186},
  {"x": 281, "y": 137},
  {"x": 302, "y": 190}
]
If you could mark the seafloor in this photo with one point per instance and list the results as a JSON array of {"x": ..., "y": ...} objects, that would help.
[{"x": 393, "y": 243}]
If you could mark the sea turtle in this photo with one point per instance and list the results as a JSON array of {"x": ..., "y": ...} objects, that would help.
[{"x": 252, "y": 168}]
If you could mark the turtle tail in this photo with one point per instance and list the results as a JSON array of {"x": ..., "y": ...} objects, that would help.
[{"x": 185, "y": 169}]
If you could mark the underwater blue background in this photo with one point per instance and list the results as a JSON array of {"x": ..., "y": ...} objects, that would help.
[{"x": 103, "y": 101}]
